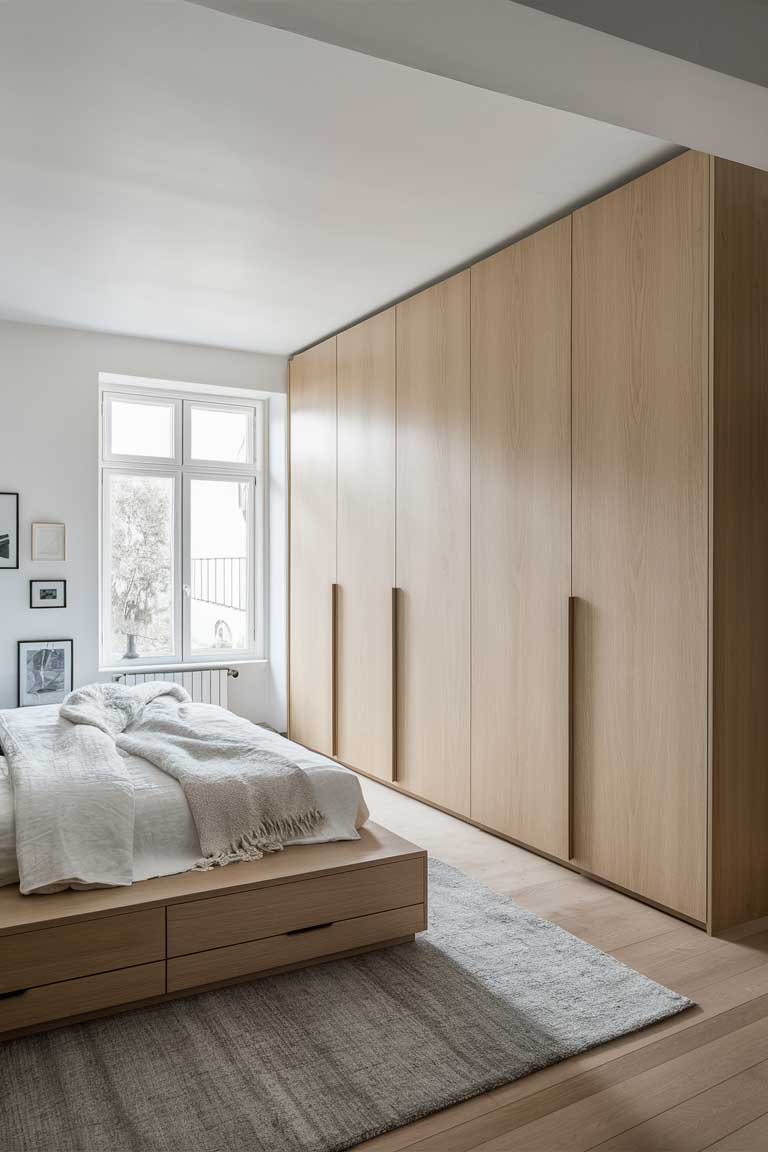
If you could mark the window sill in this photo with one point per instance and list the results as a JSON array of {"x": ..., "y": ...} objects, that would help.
[{"x": 201, "y": 666}]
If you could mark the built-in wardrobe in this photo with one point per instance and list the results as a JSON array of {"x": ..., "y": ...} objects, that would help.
[{"x": 529, "y": 542}]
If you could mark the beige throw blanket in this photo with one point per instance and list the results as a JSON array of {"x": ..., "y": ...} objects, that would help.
[{"x": 245, "y": 798}]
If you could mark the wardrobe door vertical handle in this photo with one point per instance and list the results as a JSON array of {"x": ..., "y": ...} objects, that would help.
[
  {"x": 334, "y": 667},
  {"x": 571, "y": 626},
  {"x": 395, "y": 592}
]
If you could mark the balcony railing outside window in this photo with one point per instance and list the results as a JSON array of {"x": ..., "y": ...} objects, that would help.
[{"x": 221, "y": 580}]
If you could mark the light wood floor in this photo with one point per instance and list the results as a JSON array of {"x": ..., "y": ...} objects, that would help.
[{"x": 697, "y": 1081}]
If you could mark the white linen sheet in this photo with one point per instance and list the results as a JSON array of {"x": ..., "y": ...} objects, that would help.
[
  {"x": 73, "y": 802},
  {"x": 165, "y": 839}
]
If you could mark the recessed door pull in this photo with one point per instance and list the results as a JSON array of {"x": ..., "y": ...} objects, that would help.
[{"x": 311, "y": 928}]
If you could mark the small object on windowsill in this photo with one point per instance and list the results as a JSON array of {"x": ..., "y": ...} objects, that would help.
[{"x": 130, "y": 652}]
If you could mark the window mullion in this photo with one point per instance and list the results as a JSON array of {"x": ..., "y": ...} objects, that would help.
[{"x": 186, "y": 569}]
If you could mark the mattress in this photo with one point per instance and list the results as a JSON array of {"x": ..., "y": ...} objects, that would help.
[{"x": 165, "y": 840}]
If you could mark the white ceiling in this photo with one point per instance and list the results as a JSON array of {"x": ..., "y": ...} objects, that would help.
[{"x": 173, "y": 172}]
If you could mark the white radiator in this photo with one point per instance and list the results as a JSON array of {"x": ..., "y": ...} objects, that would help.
[{"x": 205, "y": 685}]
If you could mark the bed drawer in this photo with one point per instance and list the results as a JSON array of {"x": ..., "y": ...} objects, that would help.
[
  {"x": 257, "y": 956},
  {"x": 88, "y": 994},
  {"x": 261, "y": 912},
  {"x": 28, "y": 959}
]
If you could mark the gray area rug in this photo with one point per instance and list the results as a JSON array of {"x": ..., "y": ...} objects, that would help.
[{"x": 321, "y": 1059}]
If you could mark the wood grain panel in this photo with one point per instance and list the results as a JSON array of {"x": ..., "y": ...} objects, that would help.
[
  {"x": 88, "y": 994},
  {"x": 51, "y": 946},
  {"x": 366, "y": 543},
  {"x": 31, "y": 958},
  {"x": 433, "y": 543},
  {"x": 312, "y": 544},
  {"x": 521, "y": 538},
  {"x": 274, "y": 952},
  {"x": 201, "y": 924},
  {"x": 375, "y": 846},
  {"x": 640, "y": 551},
  {"x": 740, "y": 545}
]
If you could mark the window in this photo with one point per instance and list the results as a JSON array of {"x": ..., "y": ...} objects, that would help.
[{"x": 182, "y": 498}]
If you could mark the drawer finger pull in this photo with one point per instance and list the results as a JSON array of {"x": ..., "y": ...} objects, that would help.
[
  {"x": 312, "y": 928},
  {"x": 15, "y": 992}
]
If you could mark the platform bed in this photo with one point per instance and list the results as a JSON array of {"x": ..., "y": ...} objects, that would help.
[{"x": 76, "y": 955}]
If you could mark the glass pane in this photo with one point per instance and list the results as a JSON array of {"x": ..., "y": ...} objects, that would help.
[
  {"x": 219, "y": 435},
  {"x": 142, "y": 429},
  {"x": 141, "y": 528},
  {"x": 219, "y": 551}
]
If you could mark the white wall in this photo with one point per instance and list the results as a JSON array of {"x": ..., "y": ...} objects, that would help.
[
  {"x": 49, "y": 427},
  {"x": 535, "y": 56},
  {"x": 727, "y": 35}
]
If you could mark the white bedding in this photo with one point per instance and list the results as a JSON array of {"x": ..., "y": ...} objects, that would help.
[{"x": 165, "y": 838}]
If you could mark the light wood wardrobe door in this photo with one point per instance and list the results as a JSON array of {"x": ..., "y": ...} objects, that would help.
[
  {"x": 521, "y": 538},
  {"x": 366, "y": 543},
  {"x": 433, "y": 543},
  {"x": 313, "y": 544},
  {"x": 640, "y": 326},
  {"x": 739, "y": 855}
]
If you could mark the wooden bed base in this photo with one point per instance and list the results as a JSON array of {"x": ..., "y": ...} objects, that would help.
[{"x": 75, "y": 955}]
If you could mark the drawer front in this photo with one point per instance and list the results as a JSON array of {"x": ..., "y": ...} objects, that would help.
[
  {"x": 88, "y": 994},
  {"x": 257, "y": 956},
  {"x": 203, "y": 924},
  {"x": 28, "y": 959}
]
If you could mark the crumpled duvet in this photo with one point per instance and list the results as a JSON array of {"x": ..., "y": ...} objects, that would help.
[{"x": 74, "y": 796}]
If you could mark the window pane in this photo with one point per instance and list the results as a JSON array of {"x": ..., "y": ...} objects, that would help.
[
  {"x": 219, "y": 435},
  {"x": 141, "y": 530},
  {"x": 142, "y": 429},
  {"x": 219, "y": 550}
]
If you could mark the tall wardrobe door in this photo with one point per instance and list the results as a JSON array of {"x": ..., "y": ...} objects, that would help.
[
  {"x": 313, "y": 545},
  {"x": 366, "y": 543},
  {"x": 433, "y": 543},
  {"x": 640, "y": 300},
  {"x": 521, "y": 538}
]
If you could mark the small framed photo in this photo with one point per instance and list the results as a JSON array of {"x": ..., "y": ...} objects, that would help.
[
  {"x": 47, "y": 593},
  {"x": 45, "y": 671},
  {"x": 49, "y": 542},
  {"x": 9, "y": 529}
]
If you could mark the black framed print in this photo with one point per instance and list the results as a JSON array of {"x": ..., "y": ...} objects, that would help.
[
  {"x": 45, "y": 671},
  {"x": 9, "y": 529},
  {"x": 47, "y": 593}
]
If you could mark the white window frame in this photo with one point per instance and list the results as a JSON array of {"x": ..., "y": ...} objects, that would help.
[
  {"x": 222, "y": 466},
  {"x": 183, "y": 469},
  {"x": 138, "y": 397}
]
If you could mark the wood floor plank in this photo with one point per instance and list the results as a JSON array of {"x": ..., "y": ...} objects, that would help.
[
  {"x": 602, "y": 917},
  {"x": 696, "y": 1123},
  {"x": 751, "y": 1138},
  {"x": 692, "y": 960}
]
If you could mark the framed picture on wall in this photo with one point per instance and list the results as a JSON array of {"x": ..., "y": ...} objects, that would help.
[
  {"x": 47, "y": 593},
  {"x": 9, "y": 529},
  {"x": 45, "y": 671},
  {"x": 49, "y": 542}
]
